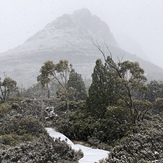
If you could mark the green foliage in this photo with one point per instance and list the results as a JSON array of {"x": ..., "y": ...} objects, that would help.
[
  {"x": 83, "y": 126},
  {"x": 101, "y": 91},
  {"x": 155, "y": 90},
  {"x": 46, "y": 71},
  {"x": 4, "y": 108},
  {"x": 45, "y": 77},
  {"x": 131, "y": 80},
  {"x": 113, "y": 82},
  {"x": 34, "y": 91},
  {"x": 76, "y": 82},
  {"x": 19, "y": 129},
  {"x": 118, "y": 114},
  {"x": 158, "y": 106},
  {"x": 23, "y": 125},
  {"x": 74, "y": 105},
  {"x": 26, "y": 125},
  {"x": 56, "y": 74},
  {"x": 142, "y": 107},
  {"x": 13, "y": 139},
  {"x": 155, "y": 95},
  {"x": 70, "y": 84},
  {"x": 143, "y": 145},
  {"x": 7, "y": 86},
  {"x": 143, "y": 161},
  {"x": 9, "y": 83},
  {"x": 8, "y": 139}
]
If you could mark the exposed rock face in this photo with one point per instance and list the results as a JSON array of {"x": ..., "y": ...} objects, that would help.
[{"x": 68, "y": 37}]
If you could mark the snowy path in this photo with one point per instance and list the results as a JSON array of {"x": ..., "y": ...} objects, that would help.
[{"x": 90, "y": 155}]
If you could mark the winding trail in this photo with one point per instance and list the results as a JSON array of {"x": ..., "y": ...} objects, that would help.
[{"x": 90, "y": 155}]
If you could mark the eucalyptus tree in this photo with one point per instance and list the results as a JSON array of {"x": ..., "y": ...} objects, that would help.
[
  {"x": 57, "y": 74},
  {"x": 7, "y": 86}
]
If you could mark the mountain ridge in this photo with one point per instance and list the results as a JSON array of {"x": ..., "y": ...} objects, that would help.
[{"x": 68, "y": 37}]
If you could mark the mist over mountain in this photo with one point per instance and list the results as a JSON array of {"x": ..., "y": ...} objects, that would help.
[
  {"x": 68, "y": 37},
  {"x": 131, "y": 45}
]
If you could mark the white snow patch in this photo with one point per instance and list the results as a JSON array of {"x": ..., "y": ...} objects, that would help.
[{"x": 90, "y": 155}]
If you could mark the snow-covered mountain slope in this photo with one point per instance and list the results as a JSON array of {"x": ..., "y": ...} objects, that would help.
[
  {"x": 69, "y": 32},
  {"x": 68, "y": 37}
]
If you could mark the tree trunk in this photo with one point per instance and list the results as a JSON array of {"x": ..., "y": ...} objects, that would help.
[{"x": 48, "y": 91}]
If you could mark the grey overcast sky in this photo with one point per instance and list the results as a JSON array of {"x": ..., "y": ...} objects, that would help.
[{"x": 134, "y": 23}]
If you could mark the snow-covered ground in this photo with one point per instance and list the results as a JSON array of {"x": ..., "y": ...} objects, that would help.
[{"x": 90, "y": 155}]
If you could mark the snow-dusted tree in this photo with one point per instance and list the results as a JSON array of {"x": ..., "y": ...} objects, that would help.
[
  {"x": 155, "y": 90},
  {"x": 7, "y": 86},
  {"x": 45, "y": 77},
  {"x": 101, "y": 92},
  {"x": 76, "y": 82},
  {"x": 118, "y": 84},
  {"x": 57, "y": 74}
]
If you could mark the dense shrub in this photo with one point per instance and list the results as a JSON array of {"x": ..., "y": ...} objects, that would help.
[
  {"x": 13, "y": 139},
  {"x": 41, "y": 150},
  {"x": 143, "y": 145},
  {"x": 80, "y": 125},
  {"x": 73, "y": 105},
  {"x": 18, "y": 128},
  {"x": 24, "y": 125},
  {"x": 158, "y": 106},
  {"x": 4, "y": 108}
]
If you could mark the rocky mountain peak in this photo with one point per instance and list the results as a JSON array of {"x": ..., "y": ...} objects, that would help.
[
  {"x": 83, "y": 13},
  {"x": 98, "y": 29},
  {"x": 68, "y": 37},
  {"x": 81, "y": 26}
]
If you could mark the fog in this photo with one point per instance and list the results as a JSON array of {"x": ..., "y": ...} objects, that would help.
[{"x": 137, "y": 25}]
